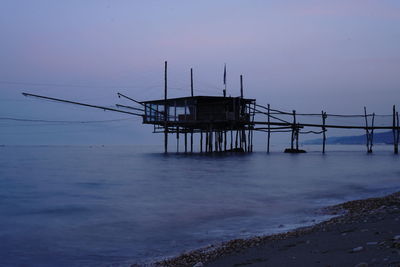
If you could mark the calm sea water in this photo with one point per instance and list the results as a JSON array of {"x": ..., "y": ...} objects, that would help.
[{"x": 95, "y": 206}]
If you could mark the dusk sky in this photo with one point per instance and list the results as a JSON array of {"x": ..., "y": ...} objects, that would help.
[{"x": 310, "y": 56}]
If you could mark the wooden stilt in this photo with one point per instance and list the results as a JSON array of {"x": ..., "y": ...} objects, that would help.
[
  {"x": 210, "y": 145},
  {"x": 297, "y": 137},
  {"x": 177, "y": 139},
  {"x": 323, "y": 131},
  {"x": 191, "y": 141},
  {"x": 206, "y": 149},
  {"x": 185, "y": 142},
  {"x": 371, "y": 139},
  {"x": 395, "y": 132},
  {"x": 231, "y": 139},
  {"x": 367, "y": 130},
  {"x": 201, "y": 141},
  {"x": 236, "y": 141},
  {"x": 225, "y": 140},
  {"x": 244, "y": 140},
  {"x": 293, "y": 130},
  {"x": 269, "y": 128},
  {"x": 165, "y": 109}
]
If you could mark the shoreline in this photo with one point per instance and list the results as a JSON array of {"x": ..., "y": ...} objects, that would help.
[{"x": 322, "y": 244}]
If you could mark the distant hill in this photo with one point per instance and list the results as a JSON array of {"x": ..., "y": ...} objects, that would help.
[{"x": 379, "y": 138}]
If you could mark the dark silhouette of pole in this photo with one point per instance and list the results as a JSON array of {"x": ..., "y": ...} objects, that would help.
[
  {"x": 191, "y": 81},
  {"x": 395, "y": 139},
  {"x": 241, "y": 86},
  {"x": 323, "y": 131},
  {"x": 165, "y": 108},
  {"x": 269, "y": 128}
]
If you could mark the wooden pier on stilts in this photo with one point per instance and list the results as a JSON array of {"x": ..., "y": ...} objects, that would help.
[{"x": 227, "y": 124}]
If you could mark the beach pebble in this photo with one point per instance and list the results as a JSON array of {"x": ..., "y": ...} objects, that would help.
[
  {"x": 372, "y": 243},
  {"x": 199, "y": 264},
  {"x": 357, "y": 249},
  {"x": 362, "y": 264}
]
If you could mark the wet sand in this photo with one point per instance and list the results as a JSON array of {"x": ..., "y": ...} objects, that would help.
[{"x": 367, "y": 233}]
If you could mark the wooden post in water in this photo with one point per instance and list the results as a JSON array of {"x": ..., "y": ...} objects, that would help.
[
  {"x": 185, "y": 141},
  {"x": 395, "y": 132},
  {"x": 323, "y": 131},
  {"x": 236, "y": 141},
  {"x": 165, "y": 109},
  {"x": 201, "y": 141},
  {"x": 216, "y": 134},
  {"x": 225, "y": 140},
  {"x": 269, "y": 129},
  {"x": 206, "y": 148},
  {"x": 293, "y": 130},
  {"x": 297, "y": 136},
  {"x": 367, "y": 130},
  {"x": 244, "y": 140},
  {"x": 398, "y": 130},
  {"x": 210, "y": 141},
  {"x": 191, "y": 141},
  {"x": 177, "y": 139},
  {"x": 192, "y": 93},
  {"x": 231, "y": 139},
  {"x": 371, "y": 138}
]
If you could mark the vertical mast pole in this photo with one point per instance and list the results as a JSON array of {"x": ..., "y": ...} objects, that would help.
[
  {"x": 269, "y": 128},
  {"x": 395, "y": 139},
  {"x": 165, "y": 109},
  {"x": 191, "y": 90},
  {"x": 323, "y": 131}
]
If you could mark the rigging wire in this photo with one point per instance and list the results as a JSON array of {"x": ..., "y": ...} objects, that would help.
[{"x": 62, "y": 121}]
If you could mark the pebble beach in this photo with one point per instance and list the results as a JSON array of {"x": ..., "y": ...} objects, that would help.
[{"x": 362, "y": 233}]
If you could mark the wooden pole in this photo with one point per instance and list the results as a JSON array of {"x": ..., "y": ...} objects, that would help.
[
  {"x": 293, "y": 130},
  {"x": 371, "y": 139},
  {"x": 297, "y": 136},
  {"x": 224, "y": 140},
  {"x": 211, "y": 140},
  {"x": 216, "y": 135},
  {"x": 244, "y": 140},
  {"x": 191, "y": 81},
  {"x": 236, "y": 139},
  {"x": 269, "y": 128},
  {"x": 367, "y": 130},
  {"x": 231, "y": 139},
  {"x": 185, "y": 141},
  {"x": 177, "y": 139},
  {"x": 201, "y": 141},
  {"x": 191, "y": 141},
  {"x": 241, "y": 86},
  {"x": 323, "y": 131},
  {"x": 395, "y": 139},
  {"x": 165, "y": 109},
  {"x": 249, "y": 139},
  {"x": 221, "y": 141},
  {"x": 398, "y": 130},
  {"x": 206, "y": 149}
]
